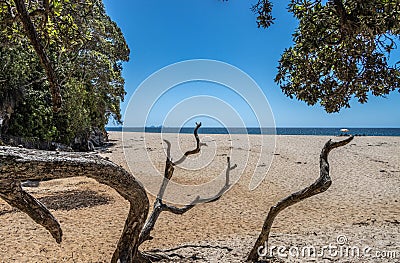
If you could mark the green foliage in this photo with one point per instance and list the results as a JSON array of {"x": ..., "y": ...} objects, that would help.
[
  {"x": 86, "y": 49},
  {"x": 263, "y": 9},
  {"x": 341, "y": 50},
  {"x": 33, "y": 117}
]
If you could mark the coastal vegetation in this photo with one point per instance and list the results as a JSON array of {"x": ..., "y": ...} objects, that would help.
[
  {"x": 61, "y": 64},
  {"x": 341, "y": 50}
]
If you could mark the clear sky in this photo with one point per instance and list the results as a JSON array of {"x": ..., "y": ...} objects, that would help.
[{"x": 160, "y": 33}]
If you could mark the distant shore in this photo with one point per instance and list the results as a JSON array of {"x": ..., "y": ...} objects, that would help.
[{"x": 334, "y": 131}]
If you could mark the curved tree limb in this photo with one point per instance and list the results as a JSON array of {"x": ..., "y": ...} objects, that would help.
[
  {"x": 224, "y": 189},
  {"x": 199, "y": 200},
  {"x": 18, "y": 164},
  {"x": 319, "y": 186},
  {"x": 12, "y": 192}
]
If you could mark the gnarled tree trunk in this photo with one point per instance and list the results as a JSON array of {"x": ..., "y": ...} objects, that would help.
[{"x": 18, "y": 164}]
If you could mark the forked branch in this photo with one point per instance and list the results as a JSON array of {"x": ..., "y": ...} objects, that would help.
[
  {"x": 319, "y": 186},
  {"x": 159, "y": 206}
]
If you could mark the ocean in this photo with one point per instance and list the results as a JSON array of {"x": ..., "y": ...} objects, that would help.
[{"x": 279, "y": 131}]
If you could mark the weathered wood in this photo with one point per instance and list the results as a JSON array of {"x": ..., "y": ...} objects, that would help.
[
  {"x": 12, "y": 192},
  {"x": 319, "y": 186},
  {"x": 18, "y": 164},
  {"x": 159, "y": 206},
  {"x": 194, "y": 151}
]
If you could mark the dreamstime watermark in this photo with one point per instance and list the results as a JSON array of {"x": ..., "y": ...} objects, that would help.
[
  {"x": 339, "y": 250},
  {"x": 154, "y": 95}
]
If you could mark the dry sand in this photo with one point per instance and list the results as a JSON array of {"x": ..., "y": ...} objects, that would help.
[{"x": 362, "y": 204}]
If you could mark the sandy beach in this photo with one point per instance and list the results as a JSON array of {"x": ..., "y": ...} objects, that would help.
[{"x": 362, "y": 205}]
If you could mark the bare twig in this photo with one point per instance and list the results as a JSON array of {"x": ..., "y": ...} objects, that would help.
[
  {"x": 196, "y": 150},
  {"x": 319, "y": 186}
]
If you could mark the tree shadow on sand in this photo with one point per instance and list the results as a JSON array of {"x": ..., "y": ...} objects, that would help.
[{"x": 70, "y": 200}]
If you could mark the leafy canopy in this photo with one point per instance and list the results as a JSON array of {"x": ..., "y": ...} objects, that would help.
[
  {"x": 85, "y": 49},
  {"x": 341, "y": 50}
]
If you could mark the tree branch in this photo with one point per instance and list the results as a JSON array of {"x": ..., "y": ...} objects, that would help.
[
  {"x": 33, "y": 82},
  {"x": 10, "y": 9},
  {"x": 12, "y": 192},
  {"x": 196, "y": 150},
  {"x": 159, "y": 206},
  {"x": 39, "y": 49},
  {"x": 224, "y": 189},
  {"x": 199, "y": 200},
  {"x": 319, "y": 186},
  {"x": 18, "y": 164}
]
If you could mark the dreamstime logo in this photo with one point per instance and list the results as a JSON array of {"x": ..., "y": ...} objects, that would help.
[
  {"x": 147, "y": 157},
  {"x": 341, "y": 240},
  {"x": 342, "y": 249}
]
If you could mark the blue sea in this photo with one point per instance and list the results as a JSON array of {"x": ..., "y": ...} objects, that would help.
[{"x": 279, "y": 131}]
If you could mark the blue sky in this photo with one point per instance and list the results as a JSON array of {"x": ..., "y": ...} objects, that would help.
[{"x": 160, "y": 33}]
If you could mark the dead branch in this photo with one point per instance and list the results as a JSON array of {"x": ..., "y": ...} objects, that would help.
[
  {"x": 196, "y": 150},
  {"x": 223, "y": 189},
  {"x": 159, "y": 206},
  {"x": 199, "y": 200},
  {"x": 18, "y": 164},
  {"x": 12, "y": 192},
  {"x": 319, "y": 186}
]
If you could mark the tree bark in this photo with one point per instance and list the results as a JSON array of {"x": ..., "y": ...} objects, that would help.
[
  {"x": 319, "y": 186},
  {"x": 40, "y": 51},
  {"x": 18, "y": 164}
]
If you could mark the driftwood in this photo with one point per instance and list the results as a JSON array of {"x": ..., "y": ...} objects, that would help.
[
  {"x": 159, "y": 206},
  {"x": 18, "y": 164},
  {"x": 319, "y": 186}
]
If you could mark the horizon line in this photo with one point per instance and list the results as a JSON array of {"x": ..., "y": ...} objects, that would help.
[{"x": 254, "y": 127}]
